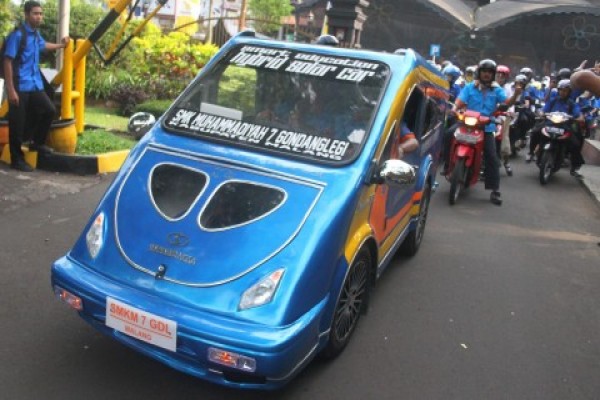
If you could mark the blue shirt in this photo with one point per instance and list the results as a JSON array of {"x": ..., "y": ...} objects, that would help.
[
  {"x": 484, "y": 101},
  {"x": 455, "y": 89},
  {"x": 530, "y": 92},
  {"x": 567, "y": 106},
  {"x": 28, "y": 73}
]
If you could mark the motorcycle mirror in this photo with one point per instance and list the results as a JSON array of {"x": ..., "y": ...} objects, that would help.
[
  {"x": 503, "y": 107},
  {"x": 140, "y": 123}
]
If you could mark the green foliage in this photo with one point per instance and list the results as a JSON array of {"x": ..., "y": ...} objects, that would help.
[
  {"x": 154, "y": 107},
  {"x": 236, "y": 88},
  {"x": 171, "y": 61},
  {"x": 265, "y": 11},
  {"x": 100, "y": 141},
  {"x": 127, "y": 97},
  {"x": 7, "y": 18},
  {"x": 102, "y": 82}
]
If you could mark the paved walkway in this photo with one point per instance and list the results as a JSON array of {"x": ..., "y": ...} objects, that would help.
[{"x": 591, "y": 172}]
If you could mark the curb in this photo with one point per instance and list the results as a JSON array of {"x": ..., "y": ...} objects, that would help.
[
  {"x": 72, "y": 163},
  {"x": 591, "y": 181}
]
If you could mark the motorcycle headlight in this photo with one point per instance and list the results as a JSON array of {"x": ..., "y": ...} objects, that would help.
[
  {"x": 557, "y": 119},
  {"x": 261, "y": 292},
  {"x": 95, "y": 236},
  {"x": 471, "y": 121}
]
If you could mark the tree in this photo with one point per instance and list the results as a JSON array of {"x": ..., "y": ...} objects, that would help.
[
  {"x": 267, "y": 14},
  {"x": 6, "y": 17}
]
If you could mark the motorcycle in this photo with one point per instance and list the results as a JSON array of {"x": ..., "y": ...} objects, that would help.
[
  {"x": 555, "y": 136},
  {"x": 522, "y": 123},
  {"x": 466, "y": 152}
]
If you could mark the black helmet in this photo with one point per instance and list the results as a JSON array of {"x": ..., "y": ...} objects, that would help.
[
  {"x": 327, "y": 40},
  {"x": 486, "y": 64},
  {"x": 563, "y": 73}
]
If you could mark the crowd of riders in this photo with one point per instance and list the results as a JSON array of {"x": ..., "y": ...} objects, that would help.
[{"x": 530, "y": 97}]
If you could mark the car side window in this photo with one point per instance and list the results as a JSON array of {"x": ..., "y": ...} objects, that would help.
[{"x": 408, "y": 120}]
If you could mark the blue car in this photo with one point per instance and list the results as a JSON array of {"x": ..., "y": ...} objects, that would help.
[{"x": 244, "y": 233}]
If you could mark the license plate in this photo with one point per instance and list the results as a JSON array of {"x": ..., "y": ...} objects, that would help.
[
  {"x": 141, "y": 325},
  {"x": 553, "y": 129}
]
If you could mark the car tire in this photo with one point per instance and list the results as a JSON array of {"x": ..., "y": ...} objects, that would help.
[
  {"x": 350, "y": 305},
  {"x": 413, "y": 240}
]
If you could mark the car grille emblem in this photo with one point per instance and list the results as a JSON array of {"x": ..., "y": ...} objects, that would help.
[{"x": 178, "y": 239}]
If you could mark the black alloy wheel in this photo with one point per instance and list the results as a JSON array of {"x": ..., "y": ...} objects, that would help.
[{"x": 350, "y": 305}]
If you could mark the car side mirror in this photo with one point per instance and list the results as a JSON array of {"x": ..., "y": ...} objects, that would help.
[{"x": 396, "y": 173}]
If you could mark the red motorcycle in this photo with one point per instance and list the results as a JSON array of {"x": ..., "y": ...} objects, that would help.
[{"x": 466, "y": 152}]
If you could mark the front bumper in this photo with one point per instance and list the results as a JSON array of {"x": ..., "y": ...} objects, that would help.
[{"x": 280, "y": 351}]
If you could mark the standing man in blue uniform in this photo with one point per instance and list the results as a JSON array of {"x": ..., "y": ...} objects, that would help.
[
  {"x": 25, "y": 88},
  {"x": 484, "y": 95}
]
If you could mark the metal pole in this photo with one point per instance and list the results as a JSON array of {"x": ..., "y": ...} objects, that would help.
[
  {"x": 210, "y": 7},
  {"x": 243, "y": 11},
  {"x": 64, "y": 10}
]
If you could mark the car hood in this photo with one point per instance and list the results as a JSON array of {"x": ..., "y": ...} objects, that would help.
[{"x": 179, "y": 244}]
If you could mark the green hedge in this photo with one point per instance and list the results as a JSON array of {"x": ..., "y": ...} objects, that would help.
[{"x": 154, "y": 107}]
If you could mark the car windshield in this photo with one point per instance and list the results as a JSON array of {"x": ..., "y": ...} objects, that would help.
[{"x": 294, "y": 103}]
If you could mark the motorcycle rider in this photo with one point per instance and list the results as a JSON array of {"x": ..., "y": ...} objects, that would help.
[
  {"x": 452, "y": 73},
  {"x": 563, "y": 103},
  {"x": 502, "y": 75},
  {"x": 470, "y": 72},
  {"x": 484, "y": 95}
]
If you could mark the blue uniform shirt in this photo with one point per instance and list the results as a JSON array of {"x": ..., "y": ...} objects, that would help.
[
  {"x": 558, "y": 104},
  {"x": 455, "y": 89},
  {"x": 29, "y": 75},
  {"x": 484, "y": 101}
]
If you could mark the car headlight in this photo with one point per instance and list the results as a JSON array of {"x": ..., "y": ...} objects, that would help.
[
  {"x": 261, "y": 292},
  {"x": 95, "y": 236}
]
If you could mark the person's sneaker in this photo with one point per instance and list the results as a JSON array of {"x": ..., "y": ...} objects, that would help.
[
  {"x": 508, "y": 169},
  {"x": 576, "y": 174},
  {"x": 528, "y": 158},
  {"x": 22, "y": 166},
  {"x": 495, "y": 198},
  {"x": 40, "y": 148}
]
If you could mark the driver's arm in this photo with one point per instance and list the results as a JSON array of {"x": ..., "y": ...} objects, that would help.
[
  {"x": 511, "y": 100},
  {"x": 459, "y": 105}
]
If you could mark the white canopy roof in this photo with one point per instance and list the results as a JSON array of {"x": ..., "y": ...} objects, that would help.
[{"x": 500, "y": 12}]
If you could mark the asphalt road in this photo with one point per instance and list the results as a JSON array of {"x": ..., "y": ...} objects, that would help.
[{"x": 500, "y": 303}]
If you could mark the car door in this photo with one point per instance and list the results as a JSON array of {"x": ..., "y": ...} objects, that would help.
[{"x": 392, "y": 204}]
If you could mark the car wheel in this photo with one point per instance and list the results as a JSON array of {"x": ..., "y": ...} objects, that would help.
[
  {"x": 413, "y": 240},
  {"x": 350, "y": 305}
]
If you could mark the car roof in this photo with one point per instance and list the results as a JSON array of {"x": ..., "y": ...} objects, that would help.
[{"x": 402, "y": 61}]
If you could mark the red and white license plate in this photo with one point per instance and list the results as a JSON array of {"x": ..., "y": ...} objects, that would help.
[{"x": 141, "y": 325}]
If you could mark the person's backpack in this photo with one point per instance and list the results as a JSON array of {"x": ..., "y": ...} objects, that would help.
[{"x": 20, "y": 51}]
